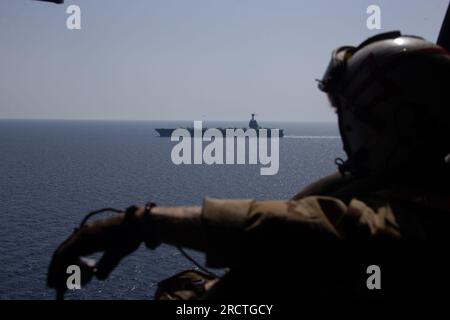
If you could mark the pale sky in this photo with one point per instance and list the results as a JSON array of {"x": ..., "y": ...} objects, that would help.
[{"x": 184, "y": 59}]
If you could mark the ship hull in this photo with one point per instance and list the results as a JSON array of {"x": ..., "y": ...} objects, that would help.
[{"x": 167, "y": 132}]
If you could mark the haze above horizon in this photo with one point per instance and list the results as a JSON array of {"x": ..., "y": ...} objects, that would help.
[{"x": 178, "y": 60}]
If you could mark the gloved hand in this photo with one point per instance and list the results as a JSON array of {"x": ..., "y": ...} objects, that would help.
[{"x": 117, "y": 237}]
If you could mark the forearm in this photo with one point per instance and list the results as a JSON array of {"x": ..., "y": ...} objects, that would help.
[
  {"x": 215, "y": 228},
  {"x": 230, "y": 231},
  {"x": 218, "y": 228},
  {"x": 179, "y": 226}
]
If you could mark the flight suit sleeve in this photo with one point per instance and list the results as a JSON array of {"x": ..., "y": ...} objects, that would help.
[{"x": 235, "y": 228}]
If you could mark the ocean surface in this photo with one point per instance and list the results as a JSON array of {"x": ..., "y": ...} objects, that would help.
[{"x": 53, "y": 172}]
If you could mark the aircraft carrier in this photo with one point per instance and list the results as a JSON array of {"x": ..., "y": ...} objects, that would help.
[{"x": 253, "y": 124}]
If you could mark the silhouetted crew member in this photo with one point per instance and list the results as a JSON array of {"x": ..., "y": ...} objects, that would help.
[{"x": 389, "y": 205}]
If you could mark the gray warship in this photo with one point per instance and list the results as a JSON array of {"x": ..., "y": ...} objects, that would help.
[{"x": 253, "y": 124}]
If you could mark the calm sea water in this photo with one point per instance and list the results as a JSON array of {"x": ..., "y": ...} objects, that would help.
[{"x": 53, "y": 172}]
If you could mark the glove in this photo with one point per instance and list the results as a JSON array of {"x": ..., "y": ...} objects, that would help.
[{"x": 117, "y": 237}]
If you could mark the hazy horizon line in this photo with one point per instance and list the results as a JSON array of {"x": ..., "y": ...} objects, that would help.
[{"x": 155, "y": 120}]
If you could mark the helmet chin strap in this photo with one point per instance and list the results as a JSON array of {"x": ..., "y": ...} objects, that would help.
[
  {"x": 447, "y": 159},
  {"x": 343, "y": 166},
  {"x": 353, "y": 164}
]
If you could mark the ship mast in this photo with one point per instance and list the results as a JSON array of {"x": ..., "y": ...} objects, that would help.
[{"x": 253, "y": 124}]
